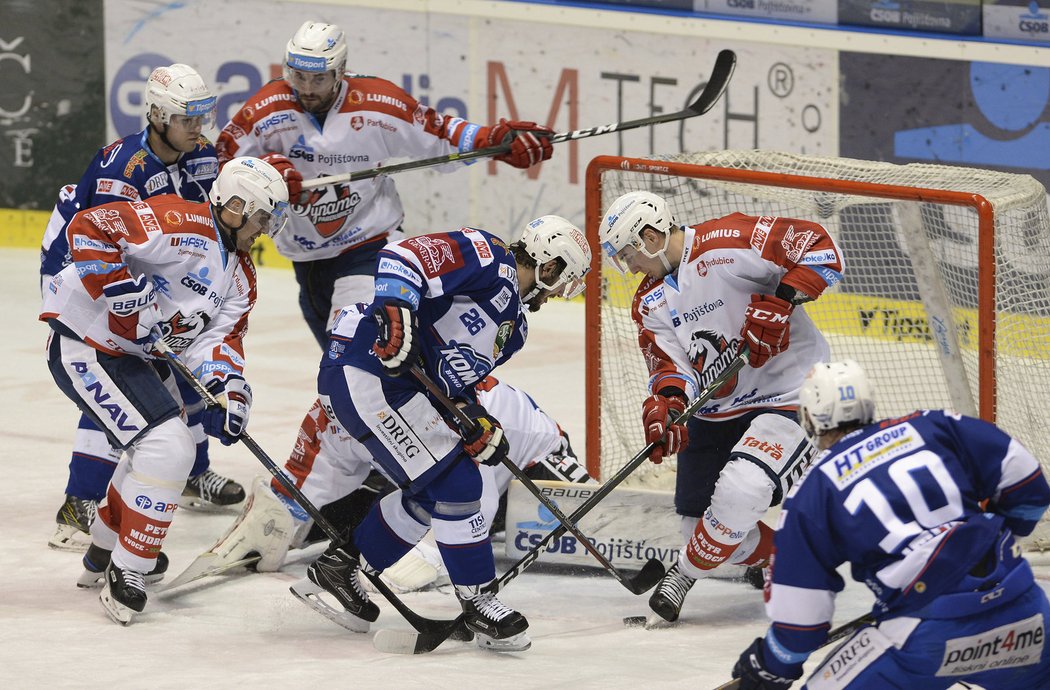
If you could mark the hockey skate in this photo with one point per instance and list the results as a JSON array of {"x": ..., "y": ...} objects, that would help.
[
  {"x": 497, "y": 627},
  {"x": 667, "y": 600},
  {"x": 97, "y": 559},
  {"x": 336, "y": 574},
  {"x": 755, "y": 576},
  {"x": 74, "y": 522},
  {"x": 211, "y": 491},
  {"x": 124, "y": 593}
]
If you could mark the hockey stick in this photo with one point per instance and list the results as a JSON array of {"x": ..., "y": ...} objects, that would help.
[
  {"x": 642, "y": 582},
  {"x": 716, "y": 86},
  {"x": 399, "y": 642},
  {"x": 423, "y": 625},
  {"x": 841, "y": 632}
]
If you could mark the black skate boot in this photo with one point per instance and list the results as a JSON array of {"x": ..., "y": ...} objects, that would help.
[
  {"x": 496, "y": 626},
  {"x": 73, "y": 524},
  {"x": 755, "y": 576},
  {"x": 211, "y": 491},
  {"x": 667, "y": 600},
  {"x": 336, "y": 573},
  {"x": 96, "y": 560},
  {"x": 124, "y": 593}
]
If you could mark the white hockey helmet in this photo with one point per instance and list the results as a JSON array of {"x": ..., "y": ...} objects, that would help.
[
  {"x": 259, "y": 186},
  {"x": 623, "y": 224},
  {"x": 835, "y": 394},
  {"x": 178, "y": 90},
  {"x": 553, "y": 237},
  {"x": 316, "y": 47}
]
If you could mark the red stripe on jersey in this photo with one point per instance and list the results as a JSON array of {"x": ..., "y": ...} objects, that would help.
[
  {"x": 307, "y": 446},
  {"x": 437, "y": 255},
  {"x": 372, "y": 94}
]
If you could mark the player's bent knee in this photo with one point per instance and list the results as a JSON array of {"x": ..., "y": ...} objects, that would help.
[
  {"x": 166, "y": 451},
  {"x": 779, "y": 447},
  {"x": 744, "y": 491}
]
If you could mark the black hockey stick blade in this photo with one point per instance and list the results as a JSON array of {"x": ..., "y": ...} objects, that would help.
[
  {"x": 646, "y": 578},
  {"x": 406, "y": 642},
  {"x": 722, "y": 72}
]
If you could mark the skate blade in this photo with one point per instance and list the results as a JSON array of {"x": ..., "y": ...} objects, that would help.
[
  {"x": 117, "y": 612},
  {"x": 197, "y": 504},
  {"x": 69, "y": 538},
  {"x": 517, "y": 643},
  {"x": 312, "y": 595}
]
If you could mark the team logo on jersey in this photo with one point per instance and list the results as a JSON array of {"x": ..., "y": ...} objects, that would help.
[
  {"x": 710, "y": 354},
  {"x": 179, "y": 331},
  {"x": 355, "y": 97},
  {"x": 503, "y": 334},
  {"x": 329, "y": 207},
  {"x": 462, "y": 363},
  {"x": 137, "y": 160},
  {"x": 796, "y": 244},
  {"x": 357, "y": 123},
  {"x": 108, "y": 220},
  {"x": 437, "y": 255}
]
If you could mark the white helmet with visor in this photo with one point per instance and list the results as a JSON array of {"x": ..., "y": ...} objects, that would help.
[
  {"x": 180, "y": 97},
  {"x": 259, "y": 187},
  {"x": 553, "y": 237},
  {"x": 620, "y": 233}
]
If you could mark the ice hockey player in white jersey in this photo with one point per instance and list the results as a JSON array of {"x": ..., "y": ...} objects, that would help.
[
  {"x": 170, "y": 156},
  {"x": 454, "y": 305},
  {"x": 710, "y": 289},
  {"x": 332, "y": 470},
  {"x": 900, "y": 500},
  {"x": 162, "y": 268},
  {"x": 320, "y": 121}
]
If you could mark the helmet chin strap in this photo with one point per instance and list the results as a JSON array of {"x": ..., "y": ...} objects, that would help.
[
  {"x": 227, "y": 234},
  {"x": 163, "y": 134}
]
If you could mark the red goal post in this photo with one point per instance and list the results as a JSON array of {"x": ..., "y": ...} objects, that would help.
[{"x": 945, "y": 299}]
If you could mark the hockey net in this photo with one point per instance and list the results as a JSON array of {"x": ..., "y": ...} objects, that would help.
[{"x": 945, "y": 300}]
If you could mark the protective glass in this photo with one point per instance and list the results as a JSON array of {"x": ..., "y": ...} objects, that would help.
[
  {"x": 621, "y": 260},
  {"x": 563, "y": 287}
]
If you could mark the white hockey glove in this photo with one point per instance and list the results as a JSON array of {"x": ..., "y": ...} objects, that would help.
[
  {"x": 228, "y": 420},
  {"x": 133, "y": 310}
]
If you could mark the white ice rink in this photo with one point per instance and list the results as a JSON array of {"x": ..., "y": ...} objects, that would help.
[{"x": 247, "y": 629}]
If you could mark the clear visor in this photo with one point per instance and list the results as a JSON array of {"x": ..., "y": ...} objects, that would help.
[
  {"x": 566, "y": 288},
  {"x": 271, "y": 222},
  {"x": 620, "y": 260},
  {"x": 198, "y": 115},
  {"x": 310, "y": 82}
]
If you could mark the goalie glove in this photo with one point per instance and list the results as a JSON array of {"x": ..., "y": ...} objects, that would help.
[
  {"x": 757, "y": 673},
  {"x": 767, "y": 327},
  {"x": 529, "y": 142},
  {"x": 227, "y": 420},
  {"x": 486, "y": 442},
  {"x": 397, "y": 341},
  {"x": 658, "y": 413},
  {"x": 133, "y": 310}
]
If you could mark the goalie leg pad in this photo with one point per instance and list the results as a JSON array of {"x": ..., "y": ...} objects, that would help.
[{"x": 264, "y": 527}]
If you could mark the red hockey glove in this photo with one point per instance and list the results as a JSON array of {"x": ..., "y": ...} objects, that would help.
[
  {"x": 397, "y": 342},
  {"x": 486, "y": 443},
  {"x": 757, "y": 672},
  {"x": 766, "y": 327},
  {"x": 529, "y": 142},
  {"x": 658, "y": 414},
  {"x": 228, "y": 420},
  {"x": 292, "y": 177},
  {"x": 133, "y": 310}
]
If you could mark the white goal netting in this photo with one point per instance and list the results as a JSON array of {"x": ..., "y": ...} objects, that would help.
[{"x": 945, "y": 300}]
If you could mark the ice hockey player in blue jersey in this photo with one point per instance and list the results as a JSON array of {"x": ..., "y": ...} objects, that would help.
[
  {"x": 454, "y": 304},
  {"x": 901, "y": 501},
  {"x": 169, "y": 156}
]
